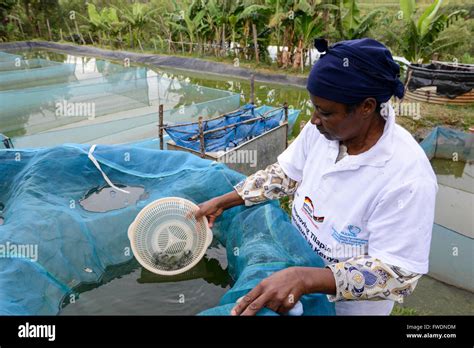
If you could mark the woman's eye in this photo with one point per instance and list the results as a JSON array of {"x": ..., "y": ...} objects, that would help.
[{"x": 322, "y": 113}]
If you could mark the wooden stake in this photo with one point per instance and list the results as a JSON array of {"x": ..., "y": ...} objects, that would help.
[
  {"x": 90, "y": 37},
  {"x": 252, "y": 89},
  {"x": 255, "y": 44},
  {"x": 79, "y": 33},
  {"x": 201, "y": 137},
  {"x": 39, "y": 29},
  {"x": 182, "y": 44},
  {"x": 160, "y": 126},
  {"x": 139, "y": 42},
  {"x": 21, "y": 28},
  {"x": 70, "y": 32},
  {"x": 223, "y": 49},
  {"x": 49, "y": 30},
  {"x": 302, "y": 60},
  {"x": 285, "y": 107}
]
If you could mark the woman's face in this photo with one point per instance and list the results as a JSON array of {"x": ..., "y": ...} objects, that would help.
[{"x": 335, "y": 123}]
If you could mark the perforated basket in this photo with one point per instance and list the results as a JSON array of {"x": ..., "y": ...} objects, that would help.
[{"x": 167, "y": 239}]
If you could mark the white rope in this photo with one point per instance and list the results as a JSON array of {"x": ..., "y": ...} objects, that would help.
[{"x": 92, "y": 158}]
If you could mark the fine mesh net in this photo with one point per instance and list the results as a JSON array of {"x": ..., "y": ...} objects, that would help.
[
  {"x": 40, "y": 190},
  {"x": 23, "y": 64},
  {"x": 118, "y": 105},
  {"x": 42, "y": 74},
  {"x": 8, "y": 57},
  {"x": 451, "y": 144}
]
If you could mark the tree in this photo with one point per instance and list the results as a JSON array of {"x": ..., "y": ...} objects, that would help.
[
  {"x": 104, "y": 21},
  {"x": 349, "y": 23},
  {"x": 188, "y": 21},
  {"x": 255, "y": 17},
  {"x": 303, "y": 21},
  {"x": 6, "y": 7},
  {"x": 420, "y": 38},
  {"x": 138, "y": 16}
]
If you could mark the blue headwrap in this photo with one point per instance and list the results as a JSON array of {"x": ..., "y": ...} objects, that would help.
[{"x": 351, "y": 71}]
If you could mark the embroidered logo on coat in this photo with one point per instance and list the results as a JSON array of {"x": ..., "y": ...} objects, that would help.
[{"x": 308, "y": 208}]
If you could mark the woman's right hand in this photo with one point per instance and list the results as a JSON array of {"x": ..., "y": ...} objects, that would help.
[
  {"x": 211, "y": 209},
  {"x": 214, "y": 207}
]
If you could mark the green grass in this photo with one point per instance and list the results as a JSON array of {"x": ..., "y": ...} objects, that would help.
[
  {"x": 403, "y": 311},
  {"x": 432, "y": 115},
  {"x": 285, "y": 204}
]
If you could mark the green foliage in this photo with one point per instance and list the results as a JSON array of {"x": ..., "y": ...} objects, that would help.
[
  {"x": 403, "y": 311},
  {"x": 420, "y": 38},
  {"x": 350, "y": 23},
  {"x": 210, "y": 27},
  {"x": 285, "y": 204},
  {"x": 5, "y": 17},
  {"x": 107, "y": 19},
  {"x": 138, "y": 15}
]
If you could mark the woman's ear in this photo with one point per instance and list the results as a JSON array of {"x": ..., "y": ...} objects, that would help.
[{"x": 369, "y": 106}]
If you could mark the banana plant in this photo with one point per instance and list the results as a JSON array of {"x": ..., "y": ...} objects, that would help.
[
  {"x": 421, "y": 37},
  {"x": 255, "y": 17},
  {"x": 282, "y": 24},
  {"x": 214, "y": 22},
  {"x": 349, "y": 22},
  {"x": 188, "y": 21},
  {"x": 6, "y": 7},
  {"x": 104, "y": 22},
  {"x": 308, "y": 28},
  {"x": 137, "y": 17},
  {"x": 302, "y": 21}
]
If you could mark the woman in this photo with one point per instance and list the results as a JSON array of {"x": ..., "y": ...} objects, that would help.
[{"x": 364, "y": 190}]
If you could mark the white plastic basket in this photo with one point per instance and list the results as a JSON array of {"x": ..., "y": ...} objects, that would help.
[{"x": 167, "y": 239}]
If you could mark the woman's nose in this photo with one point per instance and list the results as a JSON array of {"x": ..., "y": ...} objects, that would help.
[{"x": 315, "y": 119}]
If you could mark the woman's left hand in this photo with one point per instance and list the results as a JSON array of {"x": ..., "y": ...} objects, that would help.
[{"x": 279, "y": 292}]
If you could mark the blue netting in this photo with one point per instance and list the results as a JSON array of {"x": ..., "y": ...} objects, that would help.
[
  {"x": 259, "y": 242},
  {"x": 40, "y": 190},
  {"x": 268, "y": 118},
  {"x": 449, "y": 144}
]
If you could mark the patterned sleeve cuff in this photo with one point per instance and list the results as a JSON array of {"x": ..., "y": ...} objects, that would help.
[
  {"x": 270, "y": 183},
  {"x": 367, "y": 278}
]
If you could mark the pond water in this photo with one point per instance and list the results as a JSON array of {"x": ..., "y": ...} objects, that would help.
[
  {"x": 107, "y": 198},
  {"x": 454, "y": 209},
  {"x": 432, "y": 297},
  {"x": 265, "y": 93},
  {"x": 130, "y": 289}
]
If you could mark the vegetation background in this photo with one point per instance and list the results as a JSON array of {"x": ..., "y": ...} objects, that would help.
[{"x": 228, "y": 29}]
